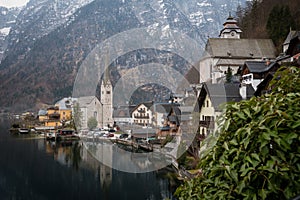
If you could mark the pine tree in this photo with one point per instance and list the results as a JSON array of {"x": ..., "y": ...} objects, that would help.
[
  {"x": 279, "y": 23},
  {"x": 229, "y": 75}
]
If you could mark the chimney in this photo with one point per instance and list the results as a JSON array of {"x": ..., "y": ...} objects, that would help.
[
  {"x": 268, "y": 62},
  {"x": 243, "y": 91}
]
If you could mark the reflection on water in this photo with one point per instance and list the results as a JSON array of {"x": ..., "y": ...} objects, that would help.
[
  {"x": 112, "y": 155},
  {"x": 66, "y": 153},
  {"x": 36, "y": 169}
]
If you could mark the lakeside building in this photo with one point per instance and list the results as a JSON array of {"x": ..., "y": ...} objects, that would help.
[{"x": 142, "y": 114}]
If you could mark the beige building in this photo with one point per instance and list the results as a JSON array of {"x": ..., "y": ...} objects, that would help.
[{"x": 210, "y": 101}]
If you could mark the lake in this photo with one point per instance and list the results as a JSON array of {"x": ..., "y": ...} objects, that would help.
[{"x": 37, "y": 169}]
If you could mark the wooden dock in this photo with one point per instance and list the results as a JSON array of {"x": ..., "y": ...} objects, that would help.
[{"x": 134, "y": 145}]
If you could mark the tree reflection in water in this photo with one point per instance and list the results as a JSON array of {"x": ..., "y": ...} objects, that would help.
[{"x": 66, "y": 153}]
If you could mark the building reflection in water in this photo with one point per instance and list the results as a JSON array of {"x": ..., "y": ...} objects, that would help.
[{"x": 73, "y": 154}]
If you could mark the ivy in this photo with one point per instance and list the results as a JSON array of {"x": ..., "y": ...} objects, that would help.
[{"x": 257, "y": 152}]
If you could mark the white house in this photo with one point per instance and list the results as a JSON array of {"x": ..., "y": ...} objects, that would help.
[{"x": 142, "y": 114}]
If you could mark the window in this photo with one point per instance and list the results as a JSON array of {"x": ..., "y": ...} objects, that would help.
[
  {"x": 207, "y": 103},
  {"x": 107, "y": 92},
  {"x": 95, "y": 114}
]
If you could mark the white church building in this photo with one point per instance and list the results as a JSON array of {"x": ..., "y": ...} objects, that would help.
[
  {"x": 229, "y": 50},
  {"x": 102, "y": 109}
]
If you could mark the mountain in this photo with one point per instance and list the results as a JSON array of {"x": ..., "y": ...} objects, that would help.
[
  {"x": 37, "y": 19},
  {"x": 8, "y": 18},
  {"x": 51, "y": 40}
]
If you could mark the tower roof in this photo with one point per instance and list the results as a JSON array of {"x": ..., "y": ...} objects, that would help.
[
  {"x": 106, "y": 76},
  {"x": 230, "y": 25}
]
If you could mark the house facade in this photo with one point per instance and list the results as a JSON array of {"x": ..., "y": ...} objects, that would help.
[
  {"x": 211, "y": 99},
  {"x": 142, "y": 114},
  {"x": 53, "y": 117},
  {"x": 254, "y": 72},
  {"x": 65, "y": 108},
  {"x": 171, "y": 120}
]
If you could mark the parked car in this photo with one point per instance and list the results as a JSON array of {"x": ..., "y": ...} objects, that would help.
[{"x": 123, "y": 136}]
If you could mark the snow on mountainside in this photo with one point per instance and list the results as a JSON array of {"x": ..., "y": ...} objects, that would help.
[
  {"x": 38, "y": 19},
  {"x": 52, "y": 38},
  {"x": 8, "y": 18}
]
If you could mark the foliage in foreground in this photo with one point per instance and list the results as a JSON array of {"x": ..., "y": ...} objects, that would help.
[{"x": 257, "y": 155}]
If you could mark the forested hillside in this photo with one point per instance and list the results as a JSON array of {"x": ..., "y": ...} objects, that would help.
[{"x": 269, "y": 19}]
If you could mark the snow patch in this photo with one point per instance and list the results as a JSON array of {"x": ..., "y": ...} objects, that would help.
[
  {"x": 204, "y": 4},
  {"x": 5, "y": 31}
]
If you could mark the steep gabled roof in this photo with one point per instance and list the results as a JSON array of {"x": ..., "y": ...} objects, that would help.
[
  {"x": 258, "y": 66},
  {"x": 65, "y": 103},
  {"x": 147, "y": 104},
  {"x": 222, "y": 93},
  {"x": 290, "y": 36},
  {"x": 241, "y": 48},
  {"x": 121, "y": 113},
  {"x": 83, "y": 101}
]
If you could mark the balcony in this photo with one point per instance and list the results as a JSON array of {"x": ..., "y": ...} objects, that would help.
[
  {"x": 54, "y": 116},
  {"x": 207, "y": 124},
  {"x": 141, "y": 117}
]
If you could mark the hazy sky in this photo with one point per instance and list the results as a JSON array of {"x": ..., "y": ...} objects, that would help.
[{"x": 13, "y": 3}]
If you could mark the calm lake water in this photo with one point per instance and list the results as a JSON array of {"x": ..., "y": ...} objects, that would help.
[{"x": 35, "y": 169}]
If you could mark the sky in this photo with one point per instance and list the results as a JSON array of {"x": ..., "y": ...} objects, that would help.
[{"x": 13, "y": 3}]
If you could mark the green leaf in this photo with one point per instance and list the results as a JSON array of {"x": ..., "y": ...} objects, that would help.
[
  {"x": 255, "y": 155},
  {"x": 262, "y": 193},
  {"x": 248, "y": 159},
  {"x": 266, "y": 136},
  {"x": 241, "y": 115},
  {"x": 296, "y": 125},
  {"x": 225, "y": 146},
  {"x": 246, "y": 171}
]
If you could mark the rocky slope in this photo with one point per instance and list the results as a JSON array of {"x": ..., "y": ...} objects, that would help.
[
  {"x": 52, "y": 38},
  {"x": 8, "y": 18}
]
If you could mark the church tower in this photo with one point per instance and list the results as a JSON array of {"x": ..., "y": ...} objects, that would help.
[
  {"x": 231, "y": 29},
  {"x": 106, "y": 94}
]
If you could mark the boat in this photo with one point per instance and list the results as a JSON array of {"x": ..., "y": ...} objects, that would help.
[
  {"x": 24, "y": 130},
  {"x": 67, "y": 134},
  {"x": 50, "y": 136}
]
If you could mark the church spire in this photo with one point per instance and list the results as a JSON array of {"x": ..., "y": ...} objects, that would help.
[
  {"x": 106, "y": 75},
  {"x": 231, "y": 29},
  {"x": 106, "y": 95}
]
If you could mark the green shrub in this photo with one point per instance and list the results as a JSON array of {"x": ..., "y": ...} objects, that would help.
[{"x": 257, "y": 153}]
